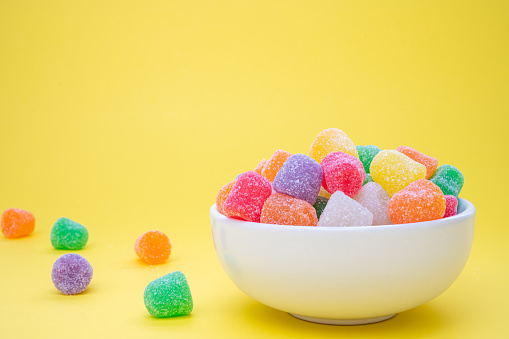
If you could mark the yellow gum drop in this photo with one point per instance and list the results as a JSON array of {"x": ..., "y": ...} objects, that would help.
[
  {"x": 331, "y": 140},
  {"x": 394, "y": 171}
]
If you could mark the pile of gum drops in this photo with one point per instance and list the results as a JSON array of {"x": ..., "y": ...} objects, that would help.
[{"x": 339, "y": 184}]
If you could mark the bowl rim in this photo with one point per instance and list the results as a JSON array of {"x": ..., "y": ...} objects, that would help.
[{"x": 468, "y": 212}]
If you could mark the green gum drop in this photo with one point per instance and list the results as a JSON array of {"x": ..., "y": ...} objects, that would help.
[
  {"x": 449, "y": 179},
  {"x": 68, "y": 235},
  {"x": 319, "y": 205},
  {"x": 168, "y": 296},
  {"x": 366, "y": 155}
]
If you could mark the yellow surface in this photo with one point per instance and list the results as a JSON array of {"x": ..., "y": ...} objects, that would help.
[{"x": 129, "y": 116}]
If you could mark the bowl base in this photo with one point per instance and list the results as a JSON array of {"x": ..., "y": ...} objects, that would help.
[{"x": 343, "y": 321}]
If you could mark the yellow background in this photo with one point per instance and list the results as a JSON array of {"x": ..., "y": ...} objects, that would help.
[{"x": 129, "y": 116}]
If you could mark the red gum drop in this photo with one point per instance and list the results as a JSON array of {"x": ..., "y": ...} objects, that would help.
[
  {"x": 342, "y": 172},
  {"x": 247, "y": 197}
]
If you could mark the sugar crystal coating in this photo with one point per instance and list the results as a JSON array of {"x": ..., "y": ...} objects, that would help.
[
  {"x": 449, "y": 179},
  {"x": 300, "y": 177},
  {"x": 394, "y": 170},
  {"x": 430, "y": 162},
  {"x": 341, "y": 211},
  {"x": 17, "y": 223},
  {"x": 373, "y": 197},
  {"x": 68, "y": 235},
  {"x": 366, "y": 155},
  {"x": 71, "y": 274},
  {"x": 422, "y": 200},
  {"x": 247, "y": 197},
  {"x": 319, "y": 205},
  {"x": 342, "y": 172},
  {"x": 274, "y": 164},
  {"x": 223, "y": 194},
  {"x": 331, "y": 140},
  {"x": 451, "y": 206},
  {"x": 282, "y": 209},
  {"x": 168, "y": 296},
  {"x": 153, "y": 247}
]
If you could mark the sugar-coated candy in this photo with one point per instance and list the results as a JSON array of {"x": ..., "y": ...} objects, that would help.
[
  {"x": 17, "y": 223},
  {"x": 300, "y": 177},
  {"x": 282, "y": 209},
  {"x": 331, "y": 140},
  {"x": 341, "y": 210},
  {"x": 430, "y": 162},
  {"x": 422, "y": 200},
  {"x": 261, "y": 165},
  {"x": 342, "y": 172},
  {"x": 366, "y": 155},
  {"x": 394, "y": 170},
  {"x": 71, "y": 274},
  {"x": 451, "y": 206},
  {"x": 274, "y": 164},
  {"x": 373, "y": 197},
  {"x": 449, "y": 179},
  {"x": 323, "y": 193},
  {"x": 223, "y": 194},
  {"x": 319, "y": 205},
  {"x": 68, "y": 235},
  {"x": 168, "y": 296},
  {"x": 367, "y": 179},
  {"x": 247, "y": 197},
  {"x": 153, "y": 247}
]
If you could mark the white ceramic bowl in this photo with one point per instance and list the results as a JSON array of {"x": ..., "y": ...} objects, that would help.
[{"x": 344, "y": 275}]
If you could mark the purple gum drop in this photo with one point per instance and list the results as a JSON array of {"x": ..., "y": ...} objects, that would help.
[
  {"x": 71, "y": 274},
  {"x": 300, "y": 177}
]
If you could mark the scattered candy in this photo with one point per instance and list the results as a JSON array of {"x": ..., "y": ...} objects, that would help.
[
  {"x": 430, "y": 162},
  {"x": 366, "y": 155},
  {"x": 71, "y": 274},
  {"x": 247, "y": 197},
  {"x": 274, "y": 164},
  {"x": 319, "y": 205},
  {"x": 373, "y": 197},
  {"x": 451, "y": 206},
  {"x": 281, "y": 209},
  {"x": 68, "y": 235},
  {"x": 342, "y": 172},
  {"x": 17, "y": 223},
  {"x": 223, "y": 194},
  {"x": 367, "y": 179},
  {"x": 422, "y": 200},
  {"x": 394, "y": 170},
  {"x": 300, "y": 177},
  {"x": 168, "y": 296},
  {"x": 331, "y": 140},
  {"x": 153, "y": 247},
  {"x": 341, "y": 210},
  {"x": 449, "y": 179}
]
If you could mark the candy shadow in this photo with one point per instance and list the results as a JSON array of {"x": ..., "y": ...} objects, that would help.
[
  {"x": 422, "y": 320},
  {"x": 178, "y": 321}
]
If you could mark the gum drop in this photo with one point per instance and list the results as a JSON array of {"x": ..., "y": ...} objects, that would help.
[
  {"x": 449, "y": 179},
  {"x": 17, "y": 223},
  {"x": 71, "y": 274},
  {"x": 274, "y": 164},
  {"x": 282, "y": 209},
  {"x": 366, "y": 155},
  {"x": 341, "y": 211},
  {"x": 168, "y": 296},
  {"x": 342, "y": 172},
  {"x": 153, "y": 247},
  {"x": 300, "y": 177},
  {"x": 68, "y": 235},
  {"x": 331, "y": 140},
  {"x": 430, "y": 162},
  {"x": 422, "y": 200}
]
